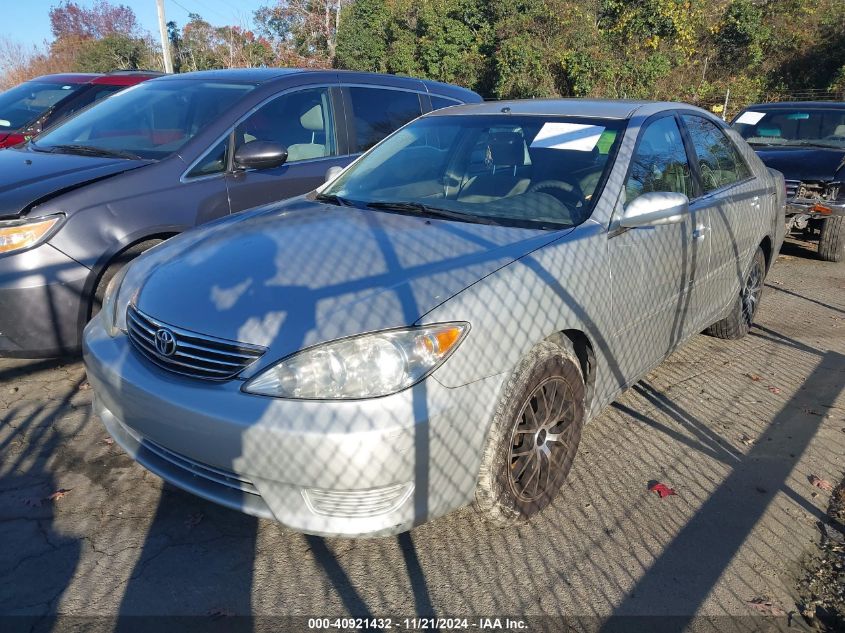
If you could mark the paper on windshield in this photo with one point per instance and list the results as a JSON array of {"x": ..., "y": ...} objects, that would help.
[
  {"x": 750, "y": 118},
  {"x": 571, "y": 136}
]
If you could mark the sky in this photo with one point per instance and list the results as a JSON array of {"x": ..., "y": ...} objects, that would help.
[{"x": 32, "y": 23}]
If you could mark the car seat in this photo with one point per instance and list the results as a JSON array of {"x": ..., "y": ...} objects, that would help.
[
  {"x": 504, "y": 170},
  {"x": 312, "y": 121}
]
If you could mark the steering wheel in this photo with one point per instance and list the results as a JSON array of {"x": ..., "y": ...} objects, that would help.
[{"x": 565, "y": 192}]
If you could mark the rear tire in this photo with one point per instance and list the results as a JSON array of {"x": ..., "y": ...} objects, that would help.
[
  {"x": 534, "y": 435},
  {"x": 832, "y": 239},
  {"x": 744, "y": 308},
  {"x": 113, "y": 268}
]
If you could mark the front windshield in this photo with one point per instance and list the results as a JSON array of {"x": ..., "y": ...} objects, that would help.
[
  {"x": 151, "y": 120},
  {"x": 25, "y": 103},
  {"x": 824, "y": 127},
  {"x": 536, "y": 171}
]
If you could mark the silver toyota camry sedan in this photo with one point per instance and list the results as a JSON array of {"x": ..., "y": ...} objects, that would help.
[{"x": 434, "y": 326}]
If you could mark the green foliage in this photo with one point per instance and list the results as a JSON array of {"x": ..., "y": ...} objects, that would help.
[
  {"x": 741, "y": 35},
  {"x": 110, "y": 53},
  {"x": 362, "y": 37}
]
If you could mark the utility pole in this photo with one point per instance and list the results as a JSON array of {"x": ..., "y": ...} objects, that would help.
[{"x": 165, "y": 42}]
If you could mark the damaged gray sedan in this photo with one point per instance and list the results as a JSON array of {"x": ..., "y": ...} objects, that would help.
[{"x": 434, "y": 327}]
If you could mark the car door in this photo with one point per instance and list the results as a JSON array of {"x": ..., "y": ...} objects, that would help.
[
  {"x": 735, "y": 201},
  {"x": 654, "y": 268},
  {"x": 303, "y": 120}
]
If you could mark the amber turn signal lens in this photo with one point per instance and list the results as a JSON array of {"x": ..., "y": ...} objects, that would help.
[{"x": 19, "y": 236}]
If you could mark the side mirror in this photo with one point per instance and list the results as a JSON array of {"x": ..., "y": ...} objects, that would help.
[
  {"x": 260, "y": 155},
  {"x": 654, "y": 209},
  {"x": 333, "y": 172}
]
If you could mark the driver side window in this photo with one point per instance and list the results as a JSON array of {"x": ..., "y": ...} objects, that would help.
[
  {"x": 659, "y": 162},
  {"x": 301, "y": 121}
]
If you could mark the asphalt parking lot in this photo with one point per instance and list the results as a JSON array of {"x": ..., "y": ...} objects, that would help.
[{"x": 736, "y": 428}]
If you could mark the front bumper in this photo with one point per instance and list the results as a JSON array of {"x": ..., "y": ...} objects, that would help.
[
  {"x": 41, "y": 305},
  {"x": 354, "y": 468},
  {"x": 814, "y": 208}
]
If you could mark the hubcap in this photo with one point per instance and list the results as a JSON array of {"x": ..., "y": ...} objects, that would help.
[
  {"x": 540, "y": 439},
  {"x": 751, "y": 292}
]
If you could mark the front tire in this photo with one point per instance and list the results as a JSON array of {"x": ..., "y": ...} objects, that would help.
[
  {"x": 744, "y": 308},
  {"x": 534, "y": 436},
  {"x": 832, "y": 239},
  {"x": 114, "y": 266}
]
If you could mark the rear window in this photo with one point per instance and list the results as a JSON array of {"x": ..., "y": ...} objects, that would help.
[{"x": 23, "y": 104}]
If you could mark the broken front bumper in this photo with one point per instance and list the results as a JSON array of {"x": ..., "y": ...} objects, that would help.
[{"x": 817, "y": 209}]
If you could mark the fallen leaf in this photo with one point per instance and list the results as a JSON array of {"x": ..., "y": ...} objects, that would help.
[
  {"x": 746, "y": 440},
  {"x": 766, "y": 607},
  {"x": 818, "y": 482},
  {"x": 59, "y": 494},
  {"x": 108, "y": 441},
  {"x": 661, "y": 489},
  {"x": 193, "y": 520},
  {"x": 774, "y": 389},
  {"x": 754, "y": 377},
  {"x": 85, "y": 386},
  {"x": 216, "y": 613}
]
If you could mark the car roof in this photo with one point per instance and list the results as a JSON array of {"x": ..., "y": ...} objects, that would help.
[
  {"x": 116, "y": 78},
  {"x": 68, "y": 78},
  {"x": 777, "y": 105},
  {"x": 597, "y": 108},
  {"x": 263, "y": 75}
]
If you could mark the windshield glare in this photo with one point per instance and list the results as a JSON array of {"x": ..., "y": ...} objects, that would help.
[
  {"x": 151, "y": 120},
  {"x": 25, "y": 103},
  {"x": 799, "y": 126},
  {"x": 523, "y": 170}
]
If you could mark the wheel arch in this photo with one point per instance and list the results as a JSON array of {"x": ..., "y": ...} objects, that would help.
[
  {"x": 585, "y": 352},
  {"x": 107, "y": 259}
]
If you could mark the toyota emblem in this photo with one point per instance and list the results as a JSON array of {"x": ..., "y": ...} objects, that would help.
[{"x": 165, "y": 342}]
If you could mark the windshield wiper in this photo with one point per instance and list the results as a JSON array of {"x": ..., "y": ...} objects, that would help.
[
  {"x": 93, "y": 151},
  {"x": 434, "y": 212},
  {"x": 333, "y": 199}
]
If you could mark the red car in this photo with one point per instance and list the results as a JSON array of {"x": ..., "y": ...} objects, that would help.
[{"x": 36, "y": 104}]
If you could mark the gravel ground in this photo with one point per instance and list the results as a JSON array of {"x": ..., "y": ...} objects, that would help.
[{"x": 736, "y": 427}]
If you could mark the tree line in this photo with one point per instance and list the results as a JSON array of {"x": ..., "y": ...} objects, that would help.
[{"x": 687, "y": 50}]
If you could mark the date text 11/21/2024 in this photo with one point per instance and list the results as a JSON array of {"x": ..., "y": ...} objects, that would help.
[{"x": 416, "y": 624}]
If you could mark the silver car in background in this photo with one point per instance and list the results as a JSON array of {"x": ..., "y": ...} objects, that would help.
[{"x": 433, "y": 327}]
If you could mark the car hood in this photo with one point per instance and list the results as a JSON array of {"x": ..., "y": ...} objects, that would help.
[
  {"x": 302, "y": 273},
  {"x": 28, "y": 178},
  {"x": 803, "y": 163}
]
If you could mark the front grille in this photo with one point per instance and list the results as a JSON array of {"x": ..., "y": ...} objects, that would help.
[
  {"x": 189, "y": 353},
  {"x": 211, "y": 473},
  {"x": 357, "y": 503},
  {"x": 792, "y": 188}
]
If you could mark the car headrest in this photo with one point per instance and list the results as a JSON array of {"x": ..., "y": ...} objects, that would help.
[
  {"x": 312, "y": 119},
  {"x": 839, "y": 131},
  {"x": 506, "y": 149}
]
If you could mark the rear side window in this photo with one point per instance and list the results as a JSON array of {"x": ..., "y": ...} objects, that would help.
[
  {"x": 442, "y": 102},
  {"x": 719, "y": 162},
  {"x": 659, "y": 162},
  {"x": 379, "y": 112}
]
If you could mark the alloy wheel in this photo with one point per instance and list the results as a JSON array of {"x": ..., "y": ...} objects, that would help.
[
  {"x": 751, "y": 292},
  {"x": 540, "y": 440}
]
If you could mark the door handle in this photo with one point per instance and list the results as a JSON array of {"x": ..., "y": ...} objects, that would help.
[{"x": 700, "y": 232}]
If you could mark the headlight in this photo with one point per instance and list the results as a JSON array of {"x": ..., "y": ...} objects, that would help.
[
  {"x": 19, "y": 234},
  {"x": 112, "y": 320},
  {"x": 366, "y": 366}
]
